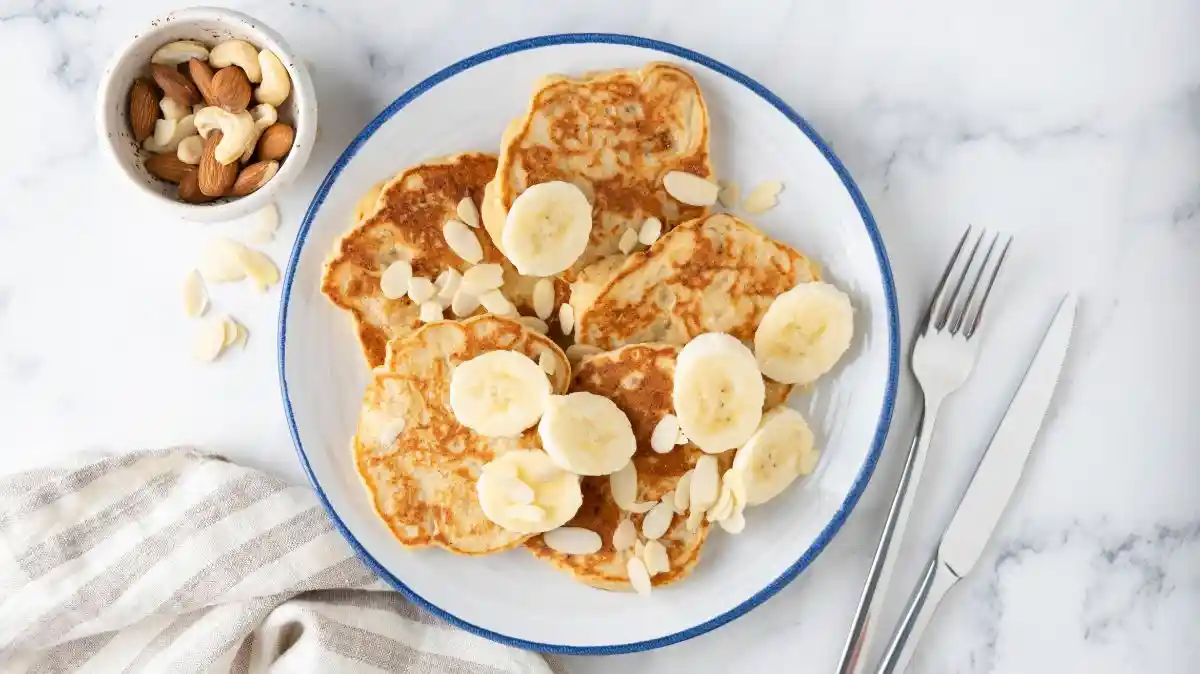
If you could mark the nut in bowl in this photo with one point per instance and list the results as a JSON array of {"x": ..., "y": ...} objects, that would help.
[{"x": 209, "y": 112}]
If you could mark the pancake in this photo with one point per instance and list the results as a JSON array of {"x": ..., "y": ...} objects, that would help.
[
  {"x": 713, "y": 274},
  {"x": 406, "y": 223},
  {"x": 638, "y": 378},
  {"x": 615, "y": 134},
  {"x": 421, "y": 481}
]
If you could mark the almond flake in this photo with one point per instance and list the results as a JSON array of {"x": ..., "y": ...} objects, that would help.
[
  {"x": 242, "y": 335},
  {"x": 483, "y": 277},
  {"x": 395, "y": 279},
  {"x": 706, "y": 483},
  {"x": 577, "y": 352},
  {"x": 623, "y": 486},
  {"x": 683, "y": 492},
  {"x": 573, "y": 540},
  {"x": 464, "y": 304},
  {"x": 526, "y": 512},
  {"x": 641, "y": 507},
  {"x": 231, "y": 332},
  {"x": 534, "y": 323},
  {"x": 639, "y": 548},
  {"x": 669, "y": 497},
  {"x": 547, "y": 362},
  {"x": 566, "y": 318},
  {"x": 468, "y": 212},
  {"x": 448, "y": 283},
  {"x": 420, "y": 289},
  {"x": 690, "y": 188},
  {"x": 695, "y": 520},
  {"x": 220, "y": 261},
  {"x": 625, "y": 535},
  {"x": 735, "y": 523},
  {"x": 462, "y": 241},
  {"x": 762, "y": 198},
  {"x": 662, "y": 440},
  {"x": 260, "y": 268},
  {"x": 728, "y": 193},
  {"x": 543, "y": 298},
  {"x": 658, "y": 520},
  {"x": 265, "y": 223},
  {"x": 495, "y": 302},
  {"x": 431, "y": 312},
  {"x": 650, "y": 231},
  {"x": 639, "y": 577},
  {"x": 723, "y": 507},
  {"x": 656, "y": 559},
  {"x": 628, "y": 241},
  {"x": 195, "y": 295},
  {"x": 210, "y": 340}
]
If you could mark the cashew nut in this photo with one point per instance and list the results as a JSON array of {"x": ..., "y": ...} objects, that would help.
[
  {"x": 276, "y": 85},
  {"x": 264, "y": 116},
  {"x": 174, "y": 53},
  {"x": 168, "y": 133},
  {"x": 236, "y": 131},
  {"x": 190, "y": 150},
  {"x": 172, "y": 109},
  {"x": 237, "y": 53}
]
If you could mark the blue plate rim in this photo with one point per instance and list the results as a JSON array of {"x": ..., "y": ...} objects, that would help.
[{"x": 885, "y": 416}]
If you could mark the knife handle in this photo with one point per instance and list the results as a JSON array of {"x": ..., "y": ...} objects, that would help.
[{"x": 936, "y": 581}]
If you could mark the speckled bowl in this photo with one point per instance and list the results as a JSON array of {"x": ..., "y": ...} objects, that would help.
[{"x": 209, "y": 25}]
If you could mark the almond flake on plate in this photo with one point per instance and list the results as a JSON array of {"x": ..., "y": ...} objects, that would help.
[
  {"x": 534, "y": 323},
  {"x": 547, "y": 363},
  {"x": 658, "y": 520},
  {"x": 483, "y": 277},
  {"x": 662, "y": 440},
  {"x": 639, "y": 577},
  {"x": 195, "y": 295},
  {"x": 462, "y": 241},
  {"x": 464, "y": 303},
  {"x": 695, "y": 520},
  {"x": 706, "y": 484},
  {"x": 628, "y": 242},
  {"x": 650, "y": 231},
  {"x": 573, "y": 540},
  {"x": 762, "y": 198},
  {"x": 210, "y": 340},
  {"x": 495, "y": 302},
  {"x": 639, "y": 547},
  {"x": 690, "y": 188},
  {"x": 468, "y": 212},
  {"x": 395, "y": 279},
  {"x": 566, "y": 318},
  {"x": 420, "y": 289},
  {"x": 625, "y": 535},
  {"x": 728, "y": 193},
  {"x": 543, "y": 298},
  {"x": 683, "y": 493},
  {"x": 724, "y": 506},
  {"x": 734, "y": 524},
  {"x": 431, "y": 312},
  {"x": 623, "y": 486},
  {"x": 656, "y": 559}
]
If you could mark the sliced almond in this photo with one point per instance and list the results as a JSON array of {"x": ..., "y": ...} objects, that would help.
[
  {"x": 495, "y": 302},
  {"x": 625, "y": 535},
  {"x": 706, "y": 483},
  {"x": 683, "y": 493},
  {"x": 534, "y": 323},
  {"x": 264, "y": 224},
  {"x": 662, "y": 439},
  {"x": 656, "y": 559},
  {"x": 628, "y": 242},
  {"x": 420, "y": 289},
  {"x": 695, "y": 520},
  {"x": 641, "y": 507},
  {"x": 484, "y": 277},
  {"x": 734, "y": 524},
  {"x": 394, "y": 280},
  {"x": 527, "y": 512},
  {"x": 468, "y": 212},
  {"x": 573, "y": 540},
  {"x": 566, "y": 318},
  {"x": 464, "y": 304},
  {"x": 210, "y": 340},
  {"x": 242, "y": 334},
  {"x": 728, "y": 193},
  {"x": 623, "y": 486},
  {"x": 650, "y": 230},
  {"x": 195, "y": 295},
  {"x": 448, "y": 283},
  {"x": 762, "y": 198},
  {"x": 431, "y": 312},
  {"x": 547, "y": 362},
  {"x": 690, "y": 188},
  {"x": 260, "y": 268},
  {"x": 639, "y": 577},
  {"x": 220, "y": 261},
  {"x": 639, "y": 547},
  {"x": 723, "y": 507},
  {"x": 658, "y": 520},
  {"x": 231, "y": 331},
  {"x": 577, "y": 352},
  {"x": 543, "y": 298},
  {"x": 462, "y": 241}
]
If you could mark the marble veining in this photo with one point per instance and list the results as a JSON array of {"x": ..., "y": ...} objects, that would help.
[{"x": 1072, "y": 124}]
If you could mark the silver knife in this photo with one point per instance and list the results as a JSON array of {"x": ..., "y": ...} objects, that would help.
[{"x": 989, "y": 492}]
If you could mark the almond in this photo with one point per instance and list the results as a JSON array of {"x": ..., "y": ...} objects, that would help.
[
  {"x": 276, "y": 142},
  {"x": 143, "y": 109},
  {"x": 189, "y": 188},
  {"x": 231, "y": 89},
  {"x": 202, "y": 76},
  {"x": 215, "y": 178},
  {"x": 253, "y": 177},
  {"x": 168, "y": 167},
  {"x": 174, "y": 85}
]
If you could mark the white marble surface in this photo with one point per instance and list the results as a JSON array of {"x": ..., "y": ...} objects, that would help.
[{"x": 1074, "y": 124}]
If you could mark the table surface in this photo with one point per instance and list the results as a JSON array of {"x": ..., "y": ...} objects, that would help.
[{"x": 1073, "y": 124}]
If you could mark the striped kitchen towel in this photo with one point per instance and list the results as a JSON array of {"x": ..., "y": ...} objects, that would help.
[{"x": 179, "y": 561}]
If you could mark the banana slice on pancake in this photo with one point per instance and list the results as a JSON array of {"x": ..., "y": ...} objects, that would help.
[
  {"x": 587, "y": 434},
  {"x": 499, "y": 393},
  {"x": 547, "y": 228},
  {"x": 524, "y": 491},
  {"x": 779, "y": 451},
  {"x": 804, "y": 332},
  {"x": 718, "y": 392}
]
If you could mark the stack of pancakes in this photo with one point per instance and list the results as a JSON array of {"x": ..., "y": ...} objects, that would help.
[{"x": 614, "y": 134}]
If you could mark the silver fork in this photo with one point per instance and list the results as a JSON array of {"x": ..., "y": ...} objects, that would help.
[{"x": 942, "y": 358}]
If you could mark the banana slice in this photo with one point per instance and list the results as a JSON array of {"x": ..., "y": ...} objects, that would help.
[
  {"x": 718, "y": 392},
  {"x": 547, "y": 228},
  {"x": 779, "y": 451},
  {"x": 587, "y": 434},
  {"x": 803, "y": 333},
  {"x": 523, "y": 491},
  {"x": 498, "y": 394}
]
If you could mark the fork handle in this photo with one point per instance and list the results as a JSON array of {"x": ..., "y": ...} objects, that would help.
[
  {"x": 866, "y": 617},
  {"x": 936, "y": 580}
]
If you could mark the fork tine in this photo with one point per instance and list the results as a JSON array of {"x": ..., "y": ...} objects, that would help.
[
  {"x": 958, "y": 287},
  {"x": 966, "y": 308},
  {"x": 988, "y": 290},
  {"x": 934, "y": 304}
]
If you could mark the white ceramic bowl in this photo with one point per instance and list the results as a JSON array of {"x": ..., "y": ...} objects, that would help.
[{"x": 209, "y": 25}]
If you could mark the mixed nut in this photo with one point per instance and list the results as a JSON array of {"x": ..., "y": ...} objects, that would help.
[{"x": 194, "y": 116}]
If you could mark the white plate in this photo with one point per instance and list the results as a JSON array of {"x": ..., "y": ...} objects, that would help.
[{"x": 511, "y": 597}]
